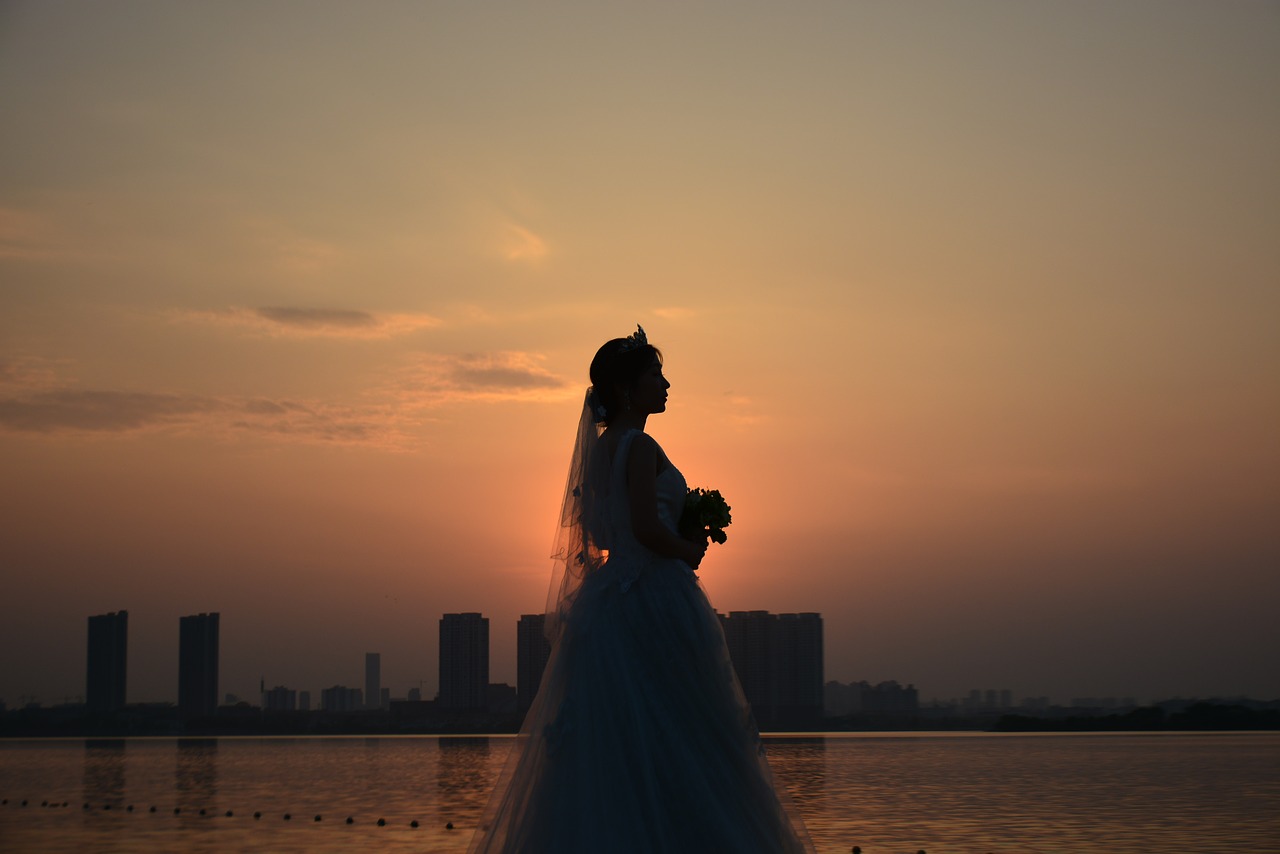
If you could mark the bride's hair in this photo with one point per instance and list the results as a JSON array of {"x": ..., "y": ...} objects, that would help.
[{"x": 619, "y": 364}]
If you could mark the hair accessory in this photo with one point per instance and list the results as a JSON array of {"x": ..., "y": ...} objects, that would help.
[
  {"x": 636, "y": 339},
  {"x": 597, "y": 408}
]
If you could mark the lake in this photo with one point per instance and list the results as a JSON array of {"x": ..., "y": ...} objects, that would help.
[{"x": 885, "y": 792}]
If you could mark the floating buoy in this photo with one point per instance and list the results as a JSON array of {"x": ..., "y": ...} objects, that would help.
[
  {"x": 257, "y": 815},
  {"x": 230, "y": 813},
  {"x": 106, "y": 806},
  {"x": 153, "y": 809},
  {"x": 129, "y": 808},
  {"x": 382, "y": 822},
  {"x": 413, "y": 823},
  {"x": 350, "y": 820},
  {"x": 201, "y": 812},
  {"x": 317, "y": 818},
  {"x": 448, "y": 825},
  {"x": 287, "y": 817},
  {"x": 177, "y": 810}
]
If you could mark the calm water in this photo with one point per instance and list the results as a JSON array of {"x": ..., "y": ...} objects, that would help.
[{"x": 887, "y": 793}]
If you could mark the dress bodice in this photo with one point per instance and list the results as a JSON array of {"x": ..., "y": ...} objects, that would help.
[{"x": 626, "y": 554}]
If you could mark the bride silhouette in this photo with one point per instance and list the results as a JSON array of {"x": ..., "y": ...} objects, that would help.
[{"x": 639, "y": 739}]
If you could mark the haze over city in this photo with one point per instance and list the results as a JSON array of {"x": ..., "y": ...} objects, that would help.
[{"x": 969, "y": 310}]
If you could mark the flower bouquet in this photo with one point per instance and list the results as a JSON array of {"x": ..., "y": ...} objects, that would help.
[{"x": 705, "y": 514}]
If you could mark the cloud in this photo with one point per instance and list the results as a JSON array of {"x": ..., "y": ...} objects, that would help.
[
  {"x": 88, "y": 412},
  {"x": 98, "y": 411},
  {"x": 33, "y": 400},
  {"x": 508, "y": 375},
  {"x": 25, "y": 236},
  {"x": 675, "y": 312},
  {"x": 318, "y": 318},
  {"x": 301, "y": 322},
  {"x": 28, "y": 374},
  {"x": 521, "y": 244}
]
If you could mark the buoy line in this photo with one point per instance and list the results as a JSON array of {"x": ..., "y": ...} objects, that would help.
[{"x": 206, "y": 812}]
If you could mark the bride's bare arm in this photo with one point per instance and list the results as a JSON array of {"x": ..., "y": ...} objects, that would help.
[{"x": 642, "y": 489}]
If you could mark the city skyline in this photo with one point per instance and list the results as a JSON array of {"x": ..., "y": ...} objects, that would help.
[
  {"x": 751, "y": 635},
  {"x": 968, "y": 310}
]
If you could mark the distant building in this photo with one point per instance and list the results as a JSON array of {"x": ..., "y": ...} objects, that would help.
[
  {"x": 864, "y": 698},
  {"x": 373, "y": 680},
  {"x": 105, "y": 673},
  {"x": 198, "y": 665},
  {"x": 304, "y": 701},
  {"x": 340, "y": 698},
  {"x": 281, "y": 699},
  {"x": 532, "y": 651},
  {"x": 415, "y": 695},
  {"x": 464, "y": 661},
  {"x": 779, "y": 661}
]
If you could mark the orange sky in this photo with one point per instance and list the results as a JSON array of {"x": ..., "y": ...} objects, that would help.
[{"x": 969, "y": 310}]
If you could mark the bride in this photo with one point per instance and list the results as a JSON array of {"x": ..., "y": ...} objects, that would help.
[{"x": 639, "y": 739}]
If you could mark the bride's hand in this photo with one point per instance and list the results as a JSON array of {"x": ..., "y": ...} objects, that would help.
[{"x": 697, "y": 550}]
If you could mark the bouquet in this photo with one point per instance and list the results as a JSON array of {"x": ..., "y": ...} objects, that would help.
[{"x": 705, "y": 514}]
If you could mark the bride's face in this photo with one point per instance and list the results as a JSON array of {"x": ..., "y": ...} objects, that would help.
[{"x": 649, "y": 395}]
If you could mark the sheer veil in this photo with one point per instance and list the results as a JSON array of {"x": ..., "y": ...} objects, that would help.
[{"x": 579, "y": 545}]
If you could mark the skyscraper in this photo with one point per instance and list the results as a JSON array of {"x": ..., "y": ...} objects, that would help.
[
  {"x": 198, "y": 665},
  {"x": 372, "y": 680},
  {"x": 750, "y": 638},
  {"x": 779, "y": 661},
  {"x": 532, "y": 651},
  {"x": 464, "y": 661},
  {"x": 105, "y": 682},
  {"x": 800, "y": 667}
]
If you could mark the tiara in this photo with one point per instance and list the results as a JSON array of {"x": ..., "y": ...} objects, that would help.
[{"x": 636, "y": 339}]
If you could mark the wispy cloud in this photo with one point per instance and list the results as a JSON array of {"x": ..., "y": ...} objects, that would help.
[
  {"x": 35, "y": 401},
  {"x": 521, "y": 244},
  {"x": 28, "y": 374},
  {"x": 78, "y": 410},
  {"x": 95, "y": 412},
  {"x": 304, "y": 322},
  {"x": 675, "y": 312},
  {"x": 25, "y": 236},
  {"x": 507, "y": 375}
]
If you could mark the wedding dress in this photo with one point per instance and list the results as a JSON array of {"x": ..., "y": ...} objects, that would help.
[{"x": 639, "y": 739}]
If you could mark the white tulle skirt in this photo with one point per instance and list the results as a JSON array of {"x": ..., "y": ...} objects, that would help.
[{"x": 639, "y": 739}]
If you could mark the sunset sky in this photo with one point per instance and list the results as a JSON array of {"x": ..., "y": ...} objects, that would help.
[{"x": 971, "y": 310}]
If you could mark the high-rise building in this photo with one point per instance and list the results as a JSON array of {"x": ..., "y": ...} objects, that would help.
[
  {"x": 464, "y": 661},
  {"x": 304, "y": 701},
  {"x": 372, "y": 680},
  {"x": 340, "y": 698},
  {"x": 779, "y": 662},
  {"x": 800, "y": 670},
  {"x": 280, "y": 699},
  {"x": 198, "y": 665},
  {"x": 749, "y": 635},
  {"x": 105, "y": 682},
  {"x": 532, "y": 651}
]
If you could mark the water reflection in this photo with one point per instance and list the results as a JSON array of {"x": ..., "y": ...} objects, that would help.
[
  {"x": 104, "y": 776},
  {"x": 196, "y": 773},
  {"x": 799, "y": 764},
  {"x": 464, "y": 764}
]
